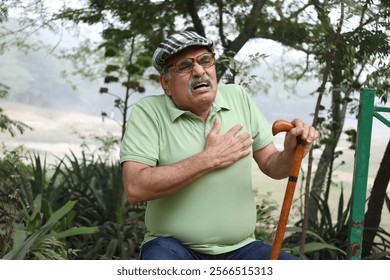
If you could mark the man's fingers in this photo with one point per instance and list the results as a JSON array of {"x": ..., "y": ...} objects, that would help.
[
  {"x": 234, "y": 130},
  {"x": 304, "y": 132},
  {"x": 229, "y": 147},
  {"x": 217, "y": 126},
  {"x": 248, "y": 144},
  {"x": 307, "y": 133},
  {"x": 297, "y": 122}
]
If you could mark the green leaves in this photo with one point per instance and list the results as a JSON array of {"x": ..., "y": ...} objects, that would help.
[
  {"x": 20, "y": 250},
  {"x": 315, "y": 247},
  {"x": 32, "y": 226},
  {"x": 98, "y": 188},
  {"x": 7, "y": 124},
  {"x": 3, "y": 12},
  {"x": 76, "y": 231}
]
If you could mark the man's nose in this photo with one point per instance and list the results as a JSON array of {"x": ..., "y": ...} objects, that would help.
[{"x": 198, "y": 70}]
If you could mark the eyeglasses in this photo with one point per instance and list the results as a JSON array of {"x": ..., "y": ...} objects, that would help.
[{"x": 186, "y": 65}]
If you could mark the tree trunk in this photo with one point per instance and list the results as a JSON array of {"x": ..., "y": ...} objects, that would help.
[
  {"x": 372, "y": 217},
  {"x": 339, "y": 109}
]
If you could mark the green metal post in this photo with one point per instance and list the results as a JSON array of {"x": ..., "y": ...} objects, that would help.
[{"x": 359, "y": 185}]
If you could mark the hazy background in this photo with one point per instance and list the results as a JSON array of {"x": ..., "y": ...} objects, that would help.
[{"x": 62, "y": 118}]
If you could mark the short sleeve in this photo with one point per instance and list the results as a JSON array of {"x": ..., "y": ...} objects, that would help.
[
  {"x": 260, "y": 127},
  {"x": 140, "y": 141}
]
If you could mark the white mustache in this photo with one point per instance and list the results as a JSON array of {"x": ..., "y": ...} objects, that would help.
[{"x": 202, "y": 79}]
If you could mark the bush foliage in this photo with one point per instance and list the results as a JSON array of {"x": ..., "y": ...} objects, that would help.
[{"x": 76, "y": 209}]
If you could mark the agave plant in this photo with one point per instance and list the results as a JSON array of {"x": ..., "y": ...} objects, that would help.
[
  {"x": 380, "y": 249},
  {"x": 37, "y": 241},
  {"x": 327, "y": 237},
  {"x": 34, "y": 229},
  {"x": 98, "y": 188}
]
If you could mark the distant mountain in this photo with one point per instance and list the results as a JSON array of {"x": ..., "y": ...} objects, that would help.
[{"x": 35, "y": 78}]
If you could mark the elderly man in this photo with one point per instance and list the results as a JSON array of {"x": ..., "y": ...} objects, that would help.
[{"x": 188, "y": 154}]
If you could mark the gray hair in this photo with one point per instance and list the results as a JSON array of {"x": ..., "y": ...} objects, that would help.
[{"x": 167, "y": 72}]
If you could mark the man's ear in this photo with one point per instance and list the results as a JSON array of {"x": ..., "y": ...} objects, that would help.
[{"x": 164, "y": 84}]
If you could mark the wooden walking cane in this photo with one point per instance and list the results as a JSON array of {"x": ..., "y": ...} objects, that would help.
[{"x": 279, "y": 126}]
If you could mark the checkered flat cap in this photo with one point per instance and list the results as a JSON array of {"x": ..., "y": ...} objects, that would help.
[{"x": 176, "y": 43}]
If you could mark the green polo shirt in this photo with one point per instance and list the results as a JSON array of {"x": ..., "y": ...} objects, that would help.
[{"x": 216, "y": 213}]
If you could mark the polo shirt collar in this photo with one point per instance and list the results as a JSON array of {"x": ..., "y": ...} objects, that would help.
[{"x": 174, "y": 113}]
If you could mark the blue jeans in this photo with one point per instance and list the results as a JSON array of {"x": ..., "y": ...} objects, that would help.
[{"x": 166, "y": 248}]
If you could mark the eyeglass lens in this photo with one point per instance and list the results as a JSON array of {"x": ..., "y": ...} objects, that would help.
[{"x": 186, "y": 64}]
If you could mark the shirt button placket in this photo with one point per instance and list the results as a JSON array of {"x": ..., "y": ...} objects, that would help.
[
  {"x": 208, "y": 124},
  {"x": 206, "y": 130}
]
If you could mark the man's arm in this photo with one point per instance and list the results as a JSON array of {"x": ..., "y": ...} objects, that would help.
[
  {"x": 277, "y": 164},
  {"x": 143, "y": 182}
]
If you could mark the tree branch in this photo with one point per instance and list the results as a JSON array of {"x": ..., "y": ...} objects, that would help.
[
  {"x": 321, "y": 91},
  {"x": 193, "y": 12}
]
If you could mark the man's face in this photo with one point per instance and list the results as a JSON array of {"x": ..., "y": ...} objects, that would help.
[{"x": 186, "y": 92}]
